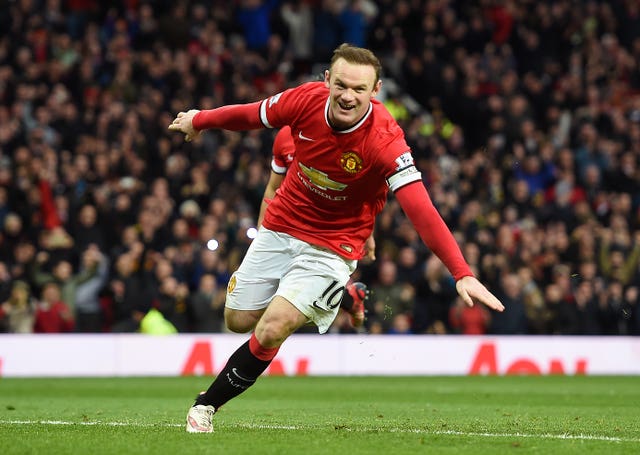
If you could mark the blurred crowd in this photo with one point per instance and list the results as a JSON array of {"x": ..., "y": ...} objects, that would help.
[{"x": 523, "y": 116}]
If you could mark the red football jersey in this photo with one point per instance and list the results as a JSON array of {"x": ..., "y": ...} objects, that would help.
[
  {"x": 283, "y": 151},
  {"x": 338, "y": 181}
]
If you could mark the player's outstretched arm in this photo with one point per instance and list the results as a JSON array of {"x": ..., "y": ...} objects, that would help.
[
  {"x": 471, "y": 290},
  {"x": 184, "y": 124},
  {"x": 235, "y": 117},
  {"x": 416, "y": 203}
]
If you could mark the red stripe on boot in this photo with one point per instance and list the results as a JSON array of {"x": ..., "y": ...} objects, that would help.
[{"x": 266, "y": 354}]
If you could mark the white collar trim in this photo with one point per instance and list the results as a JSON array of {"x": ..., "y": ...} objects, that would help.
[{"x": 354, "y": 127}]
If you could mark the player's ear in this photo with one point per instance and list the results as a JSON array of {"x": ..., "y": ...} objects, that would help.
[
  {"x": 376, "y": 88},
  {"x": 327, "y": 75}
]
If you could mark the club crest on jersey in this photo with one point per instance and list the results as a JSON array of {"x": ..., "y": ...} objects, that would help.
[
  {"x": 232, "y": 284},
  {"x": 347, "y": 248},
  {"x": 351, "y": 162}
]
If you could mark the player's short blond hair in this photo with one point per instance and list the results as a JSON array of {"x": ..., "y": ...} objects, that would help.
[{"x": 357, "y": 55}]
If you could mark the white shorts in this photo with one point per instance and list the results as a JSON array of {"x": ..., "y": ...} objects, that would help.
[{"x": 310, "y": 277}]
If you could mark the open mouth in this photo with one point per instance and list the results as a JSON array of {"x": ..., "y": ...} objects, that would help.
[{"x": 345, "y": 106}]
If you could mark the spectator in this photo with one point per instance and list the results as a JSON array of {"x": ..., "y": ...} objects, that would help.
[
  {"x": 537, "y": 313},
  {"x": 17, "y": 314},
  {"x": 88, "y": 230},
  {"x": 354, "y": 21},
  {"x": 171, "y": 302},
  {"x": 5, "y": 282},
  {"x": 390, "y": 297},
  {"x": 554, "y": 300},
  {"x": 400, "y": 325},
  {"x": 89, "y": 312},
  {"x": 255, "y": 18},
  {"x": 83, "y": 108},
  {"x": 326, "y": 26},
  {"x": 206, "y": 306},
  {"x": 618, "y": 306},
  {"x": 52, "y": 314},
  {"x": 466, "y": 320},
  {"x": 435, "y": 293},
  {"x": 12, "y": 235},
  {"x": 619, "y": 261},
  {"x": 62, "y": 274},
  {"x": 581, "y": 314},
  {"x": 130, "y": 290},
  {"x": 514, "y": 321},
  {"x": 298, "y": 17}
]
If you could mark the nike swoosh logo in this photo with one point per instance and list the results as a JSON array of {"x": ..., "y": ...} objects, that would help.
[
  {"x": 235, "y": 371},
  {"x": 315, "y": 304},
  {"x": 304, "y": 138}
]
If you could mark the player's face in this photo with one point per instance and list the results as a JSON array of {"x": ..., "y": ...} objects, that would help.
[{"x": 351, "y": 87}]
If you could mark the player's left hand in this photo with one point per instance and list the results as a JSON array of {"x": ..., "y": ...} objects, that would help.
[
  {"x": 184, "y": 124},
  {"x": 470, "y": 290}
]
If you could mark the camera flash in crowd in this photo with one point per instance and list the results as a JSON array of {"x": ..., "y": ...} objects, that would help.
[
  {"x": 212, "y": 244},
  {"x": 252, "y": 233}
]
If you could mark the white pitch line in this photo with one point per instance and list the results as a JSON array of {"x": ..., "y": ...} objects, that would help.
[{"x": 252, "y": 426}]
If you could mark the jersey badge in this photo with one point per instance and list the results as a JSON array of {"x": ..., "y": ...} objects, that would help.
[
  {"x": 351, "y": 162},
  {"x": 232, "y": 284},
  {"x": 347, "y": 248},
  {"x": 404, "y": 161},
  {"x": 274, "y": 99}
]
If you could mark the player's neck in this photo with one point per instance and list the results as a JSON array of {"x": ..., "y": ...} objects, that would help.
[{"x": 344, "y": 128}]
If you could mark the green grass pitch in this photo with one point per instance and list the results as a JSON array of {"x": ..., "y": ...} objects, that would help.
[{"x": 326, "y": 415}]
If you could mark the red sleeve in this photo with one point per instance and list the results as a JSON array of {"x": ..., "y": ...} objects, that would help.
[
  {"x": 283, "y": 142},
  {"x": 417, "y": 205},
  {"x": 50, "y": 218},
  {"x": 235, "y": 117},
  {"x": 68, "y": 322},
  {"x": 283, "y": 150}
]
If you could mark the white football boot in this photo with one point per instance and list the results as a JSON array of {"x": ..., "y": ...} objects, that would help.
[{"x": 199, "y": 419}]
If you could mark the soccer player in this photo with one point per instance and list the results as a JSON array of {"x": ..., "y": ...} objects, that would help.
[
  {"x": 349, "y": 153},
  {"x": 283, "y": 153}
]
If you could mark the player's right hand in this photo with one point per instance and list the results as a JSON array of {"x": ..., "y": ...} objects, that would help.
[{"x": 184, "y": 124}]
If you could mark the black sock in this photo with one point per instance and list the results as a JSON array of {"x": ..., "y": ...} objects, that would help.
[
  {"x": 240, "y": 372},
  {"x": 347, "y": 301}
]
